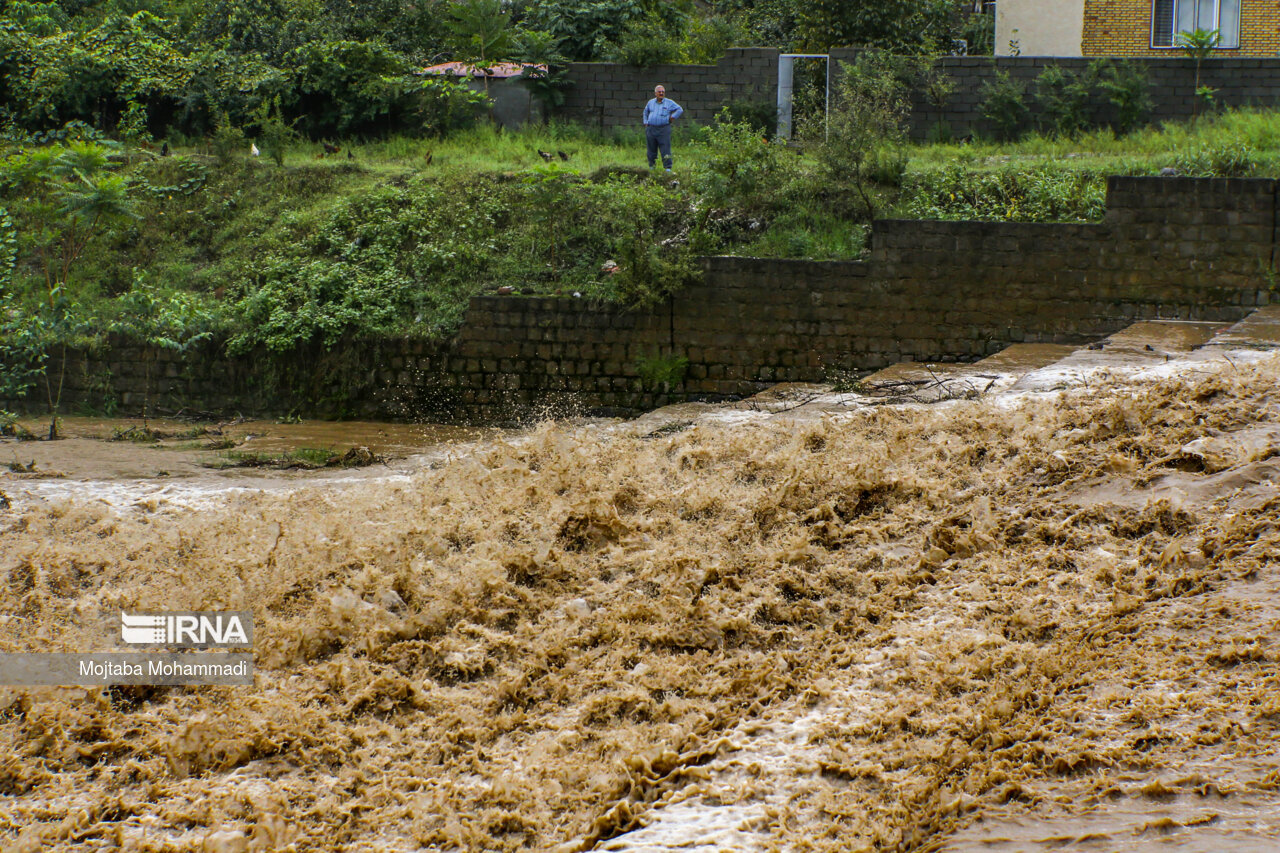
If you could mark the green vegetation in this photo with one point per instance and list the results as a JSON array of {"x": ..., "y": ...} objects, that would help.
[
  {"x": 396, "y": 240},
  {"x": 307, "y": 458},
  {"x": 178, "y": 70},
  {"x": 660, "y": 373},
  {"x": 272, "y": 175},
  {"x": 1200, "y": 44}
]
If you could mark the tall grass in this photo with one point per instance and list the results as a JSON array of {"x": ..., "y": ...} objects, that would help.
[{"x": 1145, "y": 151}]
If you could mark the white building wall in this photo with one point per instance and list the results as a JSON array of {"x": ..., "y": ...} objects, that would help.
[{"x": 1039, "y": 27}]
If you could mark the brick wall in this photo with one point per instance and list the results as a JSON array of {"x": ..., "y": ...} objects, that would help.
[
  {"x": 938, "y": 291},
  {"x": 1123, "y": 28}
]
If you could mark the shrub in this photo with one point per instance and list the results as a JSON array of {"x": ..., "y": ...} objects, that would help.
[
  {"x": 1064, "y": 97},
  {"x": 707, "y": 38},
  {"x": 644, "y": 44},
  {"x": 760, "y": 116},
  {"x": 1220, "y": 160},
  {"x": 341, "y": 87},
  {"x": 1043, "y": 194},
  {"x": 277, "y": 135},
  {"x": 443, "y": 106},
  {"x": 1125, "y": 86},
  {"x": 228, "y": 140},
  {"x": 660, "y": 373},
  {"x": 864, "y": 143},
  {"x": 741, "y": 169},
  {"x": 1004, "y": 104}
]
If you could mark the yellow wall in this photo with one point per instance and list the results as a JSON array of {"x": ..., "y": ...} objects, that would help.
[{"x": 1123, "y": 28}]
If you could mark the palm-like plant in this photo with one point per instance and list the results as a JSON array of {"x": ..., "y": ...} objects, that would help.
[
  {"x": 77, "y": 196},
  {"x": 1199, "y": 44},
  {"x": 87, "y": 202}
]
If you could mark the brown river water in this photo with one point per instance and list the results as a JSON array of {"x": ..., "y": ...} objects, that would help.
[{"x": 1039, "y": 613}]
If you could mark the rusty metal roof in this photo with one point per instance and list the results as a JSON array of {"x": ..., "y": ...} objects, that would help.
[{"x": 466, "y": 69}]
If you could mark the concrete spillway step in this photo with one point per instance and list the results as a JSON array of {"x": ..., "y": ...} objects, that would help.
[
  {"x": 1023, "y": 358},
  {"x": 1260, "y": 330},
  {"x": 1143, "y": 344},
  {"x": 928, "y": 381}
]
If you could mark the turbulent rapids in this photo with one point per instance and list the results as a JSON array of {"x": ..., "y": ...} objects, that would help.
[{"x": 1018, "y": 622}]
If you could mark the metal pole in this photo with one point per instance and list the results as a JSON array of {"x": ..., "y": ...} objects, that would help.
[
  {"x": 785, "y": 85},
  {"x": 826, "y": 133}
]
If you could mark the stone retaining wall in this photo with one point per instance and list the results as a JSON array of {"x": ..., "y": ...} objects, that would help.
[{"x": 1175, "y": 248}]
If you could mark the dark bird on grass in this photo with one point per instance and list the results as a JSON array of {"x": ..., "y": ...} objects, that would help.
[
  {"x": 430, "y": 156},
  {"x": 164, "y": 150},
  {"x": 563, "y": 156},
  {"x": 330, "y": 148},
  {"x": 350, "y": 156},
  {"x": 546, "y": 155}
]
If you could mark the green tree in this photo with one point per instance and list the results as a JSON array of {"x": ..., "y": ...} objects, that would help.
[
  {"x": 864, "y": 143},
  {"x": 20, "y": 363},
  {"x": 543, "y": 68},
  {"x": 1199, "y": 45},
  {"x": 583, "y": 27},
  {"x": 902, "y": 26},
  {"x": 90, "y": 75},
  {"x": 340, "y": 87},
  {"x": 74, "y": 197},
  {"x": 547, "y": 189},
  {"x": 482, "y": 34}
]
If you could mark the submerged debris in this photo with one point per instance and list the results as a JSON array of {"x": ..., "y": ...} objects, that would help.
[{"x": 307, "y": 458}]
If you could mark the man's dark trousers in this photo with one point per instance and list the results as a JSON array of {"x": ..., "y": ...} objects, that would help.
[{"x": 659, "y": 139}]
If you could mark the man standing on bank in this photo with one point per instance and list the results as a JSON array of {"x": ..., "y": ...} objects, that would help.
[{"x": 659, "y": 113}]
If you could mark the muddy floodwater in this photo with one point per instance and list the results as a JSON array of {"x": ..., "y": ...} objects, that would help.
[{"x": 983, "y": 610}]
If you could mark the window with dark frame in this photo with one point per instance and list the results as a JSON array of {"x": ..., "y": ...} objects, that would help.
[{"x": 1170, "y": 17}]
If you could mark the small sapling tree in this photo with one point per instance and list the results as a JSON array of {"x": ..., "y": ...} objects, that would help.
[
  {"x": 1199, "y": 45},
  {"x": 482, "y": 34},
  {"x": 276, "y": 135},
  {"x": 547, "y": 188},
  {"x": 865, "y": 142},
  {"x": 74, "y": 197}
]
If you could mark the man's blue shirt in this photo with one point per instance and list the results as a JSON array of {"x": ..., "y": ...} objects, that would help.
[{"x": 660, "y": 114}]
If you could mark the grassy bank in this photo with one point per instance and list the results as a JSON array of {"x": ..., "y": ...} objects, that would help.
[{"x": 393, "y": 237}]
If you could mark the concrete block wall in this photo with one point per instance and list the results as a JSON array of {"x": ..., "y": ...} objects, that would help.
[
  {"x": 1173, "y": 248},
  {"x": 1171, "y": 86},
  {"x": 607, "y": 95}
]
